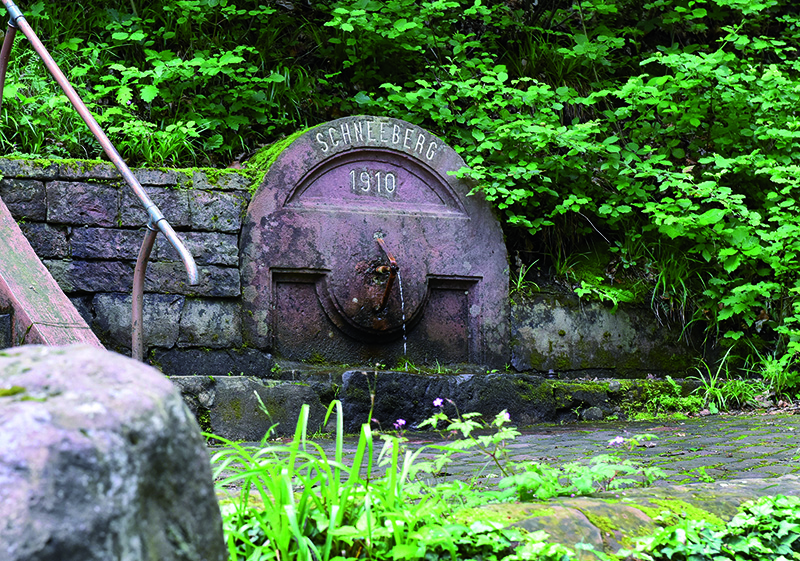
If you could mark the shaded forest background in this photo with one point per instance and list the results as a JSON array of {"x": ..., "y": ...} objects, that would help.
[{"x": 637, "y": 150}]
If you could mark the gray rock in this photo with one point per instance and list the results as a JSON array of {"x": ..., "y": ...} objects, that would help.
[
  {"x": 400, "y": 395},
  {"x": 592, "y": 414},
  {"x": 210, "y": 323},
  {"x": 106, "y": 243},
  {"x": 222, "y": 179},
  {"x": 614, "y": 386},
  {"x": 100, "y": 459},
  {"x": 173, "y": 204},
  {"x": 72, "y": 202},
  {"x": 88, "y": 169},
  {"x": 25, "y": 198},
  {"x": 214, "y": 281},
  {"x": 216, "y": 211},
  {"x": 6, "y": 337},
  {"x": 49, "y": 242},
  {"x": 208, "y": 362},
  {"x": 91, "y": 276},
  {"x": 592, "y": 340},
  {"x": 156, "y": 177},
  {"x": 207, "y": 248},
  {"x": 161, "y": 317},
  {"x": 227, "y": 406},
  {"x": 28, "y": 168}
]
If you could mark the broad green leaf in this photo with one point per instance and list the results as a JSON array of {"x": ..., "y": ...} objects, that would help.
[
  {"x": 148, "y": 93},
  {"x": 124, "y": 95},
  {"x": 711, "y": 216}
]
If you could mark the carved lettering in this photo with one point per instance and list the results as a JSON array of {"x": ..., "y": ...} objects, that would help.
[
  {"x": 420, "y": 146},
  {"x": 431, "y": 151},
  {"x": 334, "y": 142},
  {"x": 367, "y": 131},
  {"x": 358, "y": 131},
  {"x": 375, "y": 183},
  {"x": 346, "y": 133},
  {"x": 321, "y": 140}
]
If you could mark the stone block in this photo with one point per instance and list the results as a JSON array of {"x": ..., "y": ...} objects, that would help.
[
  {"x": 157, "y": 177},
  {"x": 84, "y": 306},
  {"x": 25, "y": 198},
  {"x": 106, "y": 243},
  {"x": 223, "y": 180},
  {"x": 216, "y": 211},
  {"x": 88, "y": 169},
  {"x": 101, "y": 459},
  {"x": 210, "y": 362},
  {"x": 32, "y": 169},
  {"x": 555, "y": 333},
  {"x": 210, "y": 323},
  {"x": 207, "y": 248},
  {"x": 527, "y": 399},
  {"x": 49, "y": 242},
  {"x": 91, "y": 276},
  {"x": 6, "y": 337},
  {"x": 73, "y": 202},
  {"x": 215, "y": 282},
  {"x": 173, "y": 204},
  {"x": 228, "y": 407},
  {"x": 161, "y": 317}
]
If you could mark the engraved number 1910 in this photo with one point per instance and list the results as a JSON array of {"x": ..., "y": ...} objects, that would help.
[{"x": 373, "y": 182}]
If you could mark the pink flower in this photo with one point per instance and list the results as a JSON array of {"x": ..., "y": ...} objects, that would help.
[
  {"x": 616, "y": 441},
  {"x": 506, "y": 416},
  {"x": 438, "y": 402},
  {"x": 399, "y": 423}
]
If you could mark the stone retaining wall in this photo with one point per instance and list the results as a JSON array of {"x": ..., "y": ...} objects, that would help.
[{"x": 87, "y": 226}]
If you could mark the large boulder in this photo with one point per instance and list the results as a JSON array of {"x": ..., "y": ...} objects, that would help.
[{"x": 100, "y": 459}]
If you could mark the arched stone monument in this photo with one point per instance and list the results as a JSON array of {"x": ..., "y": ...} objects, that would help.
[{"x": 361, "y": 245}]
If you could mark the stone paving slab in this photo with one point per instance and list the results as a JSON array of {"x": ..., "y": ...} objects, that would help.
[{"x": 712, "y": 464}]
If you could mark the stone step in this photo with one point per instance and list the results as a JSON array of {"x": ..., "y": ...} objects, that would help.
[{"x": 231, "y": 406}]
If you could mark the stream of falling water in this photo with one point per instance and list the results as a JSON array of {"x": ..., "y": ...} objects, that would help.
[{"x": 403, "y": 309}]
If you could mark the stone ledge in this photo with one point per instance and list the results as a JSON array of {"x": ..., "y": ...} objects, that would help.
[{"x": 231, "y": 406}]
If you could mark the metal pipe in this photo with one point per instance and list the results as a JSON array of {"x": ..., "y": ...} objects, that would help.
[
  {"x": 156, "y": 220},
  {"x": 5, "y": 54},
  {"x": 153, "y": 212},
  {"x": 393, "y": 268},
  {"x": 137, "y": 314}
]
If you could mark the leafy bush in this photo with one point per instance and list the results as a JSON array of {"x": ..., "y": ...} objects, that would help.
[
  {"x": 766, "y": 529},
  {"x": 662, "y": 133}
]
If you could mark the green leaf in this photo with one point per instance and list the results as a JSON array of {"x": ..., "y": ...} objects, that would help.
[
  {"x": 148, "y": 93},
  {"x": 712, "y": 216},
  {"x": 732, "y": 263},
  {"x": 124, "y": 95}
]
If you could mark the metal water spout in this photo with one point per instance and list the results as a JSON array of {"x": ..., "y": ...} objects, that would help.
[{"x": 392, "y": 268}]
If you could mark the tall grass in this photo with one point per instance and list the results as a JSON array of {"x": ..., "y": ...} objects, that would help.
[{"x": 297, "y": 500}]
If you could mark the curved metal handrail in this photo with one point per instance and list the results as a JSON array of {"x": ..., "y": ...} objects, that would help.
[{"x": 156, "y": 220}]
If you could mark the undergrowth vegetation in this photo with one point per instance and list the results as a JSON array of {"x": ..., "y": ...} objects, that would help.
[
  {"x": 638, "y": 150},
  {"x": 294, "y": 500}
]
